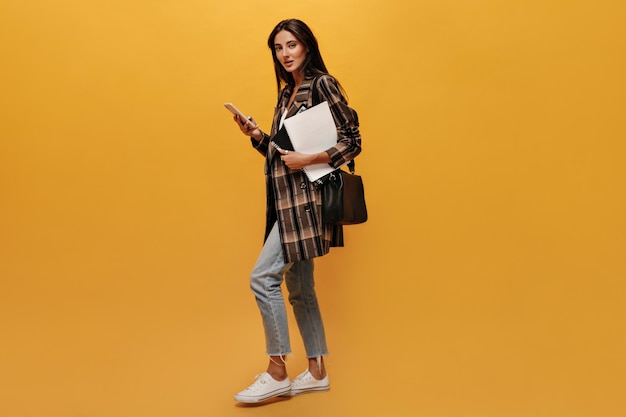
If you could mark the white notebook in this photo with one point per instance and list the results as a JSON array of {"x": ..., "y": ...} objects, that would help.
[{"x": 313, "y": 131}]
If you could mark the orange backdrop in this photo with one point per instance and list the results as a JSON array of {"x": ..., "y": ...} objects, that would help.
[{"x": 489, "y": 280}]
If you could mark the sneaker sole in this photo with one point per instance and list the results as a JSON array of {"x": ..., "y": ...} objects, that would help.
[
  {"x": 295, "y": 392},
  {"x": 250, "y": 400}
]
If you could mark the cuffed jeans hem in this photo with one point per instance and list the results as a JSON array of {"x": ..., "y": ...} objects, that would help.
[
  {"x": 278, "y": 354},
  {"x": 316, "y": 356}
]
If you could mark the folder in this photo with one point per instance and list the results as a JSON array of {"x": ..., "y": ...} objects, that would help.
[{"x": 312, "y": 131}]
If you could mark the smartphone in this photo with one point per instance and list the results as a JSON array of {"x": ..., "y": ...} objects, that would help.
[{"x": 234, "y": 110}]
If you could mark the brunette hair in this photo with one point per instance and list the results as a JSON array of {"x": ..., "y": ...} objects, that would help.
[{"x": 313, "y": 63}]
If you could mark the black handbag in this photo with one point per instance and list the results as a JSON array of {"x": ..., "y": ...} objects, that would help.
[{"x": 343, "y": 198}]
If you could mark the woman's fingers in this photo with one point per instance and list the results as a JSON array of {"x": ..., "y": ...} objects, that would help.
[{"x": 247, "y": 126}]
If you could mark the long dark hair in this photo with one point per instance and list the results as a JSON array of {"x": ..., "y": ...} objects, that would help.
[{"x": 312, "y": 65}]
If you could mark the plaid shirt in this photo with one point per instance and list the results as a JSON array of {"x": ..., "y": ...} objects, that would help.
[{"x": 292, "y": 200}]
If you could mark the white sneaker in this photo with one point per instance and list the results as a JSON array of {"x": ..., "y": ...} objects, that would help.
[
  {"x": 263, "y": 388},
  {"x": 305, "y": 382}
]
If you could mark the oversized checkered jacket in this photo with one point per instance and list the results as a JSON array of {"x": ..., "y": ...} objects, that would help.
[{"x": 292, "y": 200}]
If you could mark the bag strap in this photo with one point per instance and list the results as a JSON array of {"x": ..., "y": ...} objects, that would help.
[{"x": 315, "y": 100}]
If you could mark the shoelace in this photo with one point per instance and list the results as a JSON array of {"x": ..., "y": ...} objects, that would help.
[
  {"x": 303, "y": 377},
  {"x": 256, "y": 385}
]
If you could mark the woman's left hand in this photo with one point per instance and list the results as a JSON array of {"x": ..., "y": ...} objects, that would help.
[{"x": 295, "y": 161}]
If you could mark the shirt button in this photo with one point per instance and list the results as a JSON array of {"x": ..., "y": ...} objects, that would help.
[
  {"x": 307, "y": 208},
  {"x": 302, "y": 185}
]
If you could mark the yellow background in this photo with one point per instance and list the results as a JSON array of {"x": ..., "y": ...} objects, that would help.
[{"x": 489, "y": 280}]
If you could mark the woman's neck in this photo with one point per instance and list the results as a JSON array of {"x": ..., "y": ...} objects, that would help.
[{"x": 297, "y": 78}]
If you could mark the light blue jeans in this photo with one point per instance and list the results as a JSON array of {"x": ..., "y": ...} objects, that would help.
[{"x": 265, "y": 282}]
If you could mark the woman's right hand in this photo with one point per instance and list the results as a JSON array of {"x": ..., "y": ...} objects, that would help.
[{"x": 249, "y": 127}]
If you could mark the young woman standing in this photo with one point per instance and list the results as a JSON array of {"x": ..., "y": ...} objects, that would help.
[{"x": 295, "y": 233}]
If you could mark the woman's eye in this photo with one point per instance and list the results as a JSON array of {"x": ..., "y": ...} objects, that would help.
[{"x": 293, "y": 45}]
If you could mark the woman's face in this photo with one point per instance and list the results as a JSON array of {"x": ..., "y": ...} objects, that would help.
[{"x": 289, "y": 51}]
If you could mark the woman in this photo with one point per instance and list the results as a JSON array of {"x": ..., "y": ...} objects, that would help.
[{"x": 295, "y": 233}]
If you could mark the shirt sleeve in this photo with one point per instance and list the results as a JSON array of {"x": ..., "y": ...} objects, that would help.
[
  {"x": 261, "y": 145},
  {"x": 346, "y": 119}
]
